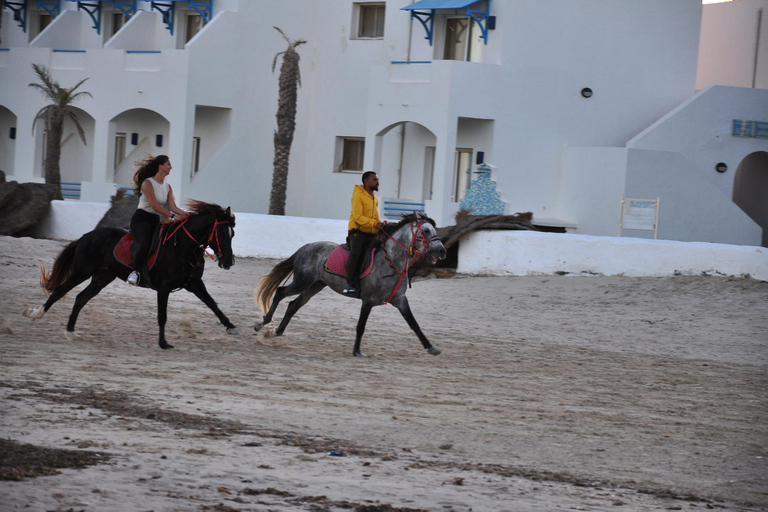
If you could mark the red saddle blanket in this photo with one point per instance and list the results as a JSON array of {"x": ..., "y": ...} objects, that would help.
[
  {"x": 122, "y": 252},
  {"x": 337, "y": 262}
]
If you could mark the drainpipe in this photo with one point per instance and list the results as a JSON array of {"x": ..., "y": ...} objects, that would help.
[{"x": 757, "y": 46}]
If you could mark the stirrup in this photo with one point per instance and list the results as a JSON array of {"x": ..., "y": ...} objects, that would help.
[
  {"x": 133, "y": 278},
  {"x": 350, "y": 291}
]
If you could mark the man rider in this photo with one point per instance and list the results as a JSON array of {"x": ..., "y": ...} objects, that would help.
[{"x": 363, "y": 224}]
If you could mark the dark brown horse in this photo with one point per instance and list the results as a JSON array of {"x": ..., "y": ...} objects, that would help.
[{"x": 179, "y": 264}]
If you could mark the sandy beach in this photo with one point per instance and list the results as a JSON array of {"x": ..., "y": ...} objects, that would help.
[{"x": 552, "y": 393}]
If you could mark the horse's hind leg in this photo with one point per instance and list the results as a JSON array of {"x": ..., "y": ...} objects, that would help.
[
  {"x": 198, "y": 288},
  {"x": 296, "y": 304},
  {"x": 281, "y": 293},
  {"x": 60, "y": 291},
  {"x": 98, "y": 282}
]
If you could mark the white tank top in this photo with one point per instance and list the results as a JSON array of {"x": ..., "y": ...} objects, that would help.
[{"x": 161, "y": 194}]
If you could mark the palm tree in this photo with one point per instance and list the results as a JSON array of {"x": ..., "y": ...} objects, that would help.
[
  {"x": 54, "y": 116},
  {"x": 290, "y": 80}
]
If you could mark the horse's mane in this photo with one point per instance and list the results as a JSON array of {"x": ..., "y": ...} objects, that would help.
[
  {"x": 406, "y": 218},
  {"x": 201, "y": 207}
]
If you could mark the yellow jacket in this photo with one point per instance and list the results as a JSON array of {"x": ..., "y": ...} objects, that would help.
[{"x": 365, "y": 211}]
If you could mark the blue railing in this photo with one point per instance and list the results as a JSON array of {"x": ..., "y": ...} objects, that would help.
[
  {"x": 397, "y": 208},
  {"x": 71, "y": 189}
]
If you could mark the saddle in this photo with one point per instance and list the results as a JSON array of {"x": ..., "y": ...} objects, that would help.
[
  {"x": 337, "y": 261},
  {"x": 122, "y": 251}
]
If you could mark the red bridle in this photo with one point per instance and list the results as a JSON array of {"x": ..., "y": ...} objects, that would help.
[
  {"x": 214, "y": 234},
  {"x": 417, "y": 235}
]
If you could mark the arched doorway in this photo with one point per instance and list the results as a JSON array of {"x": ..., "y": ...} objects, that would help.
[
  {"x": 76, "y": 160},
  {"x": 750, "y": 189},
  {"x": 134, "y": 134},
  {"x": 404, "y": 159},
  {"x": 7, "y": 140}
]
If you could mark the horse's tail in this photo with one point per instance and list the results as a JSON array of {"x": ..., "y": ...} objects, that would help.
[
  {"x": 269, "y": 283},
  {"x": 62, "y": 268}
]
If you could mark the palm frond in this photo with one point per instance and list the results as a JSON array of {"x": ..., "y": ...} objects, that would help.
[
  {"x": 274, "y": 61},
  {"x": 283, "y": 34},
  {"x": 44, "y": 76},
  {"x": 42, "y": 114},
  {"x": 76, "y": 122}
]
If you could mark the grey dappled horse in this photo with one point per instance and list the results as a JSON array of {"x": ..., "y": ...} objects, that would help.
[{"x": 401, "y": 245}]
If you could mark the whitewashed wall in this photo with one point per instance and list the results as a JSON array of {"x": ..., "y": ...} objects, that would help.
[{"x": 481, "y": 253}]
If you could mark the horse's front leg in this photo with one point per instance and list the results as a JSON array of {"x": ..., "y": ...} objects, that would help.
[
  {"x": 197, "y": 287},
  {"x": 162, "y": 315},
  {"x": 365, "y": 311},
  {"x": 401, "y": 303}
]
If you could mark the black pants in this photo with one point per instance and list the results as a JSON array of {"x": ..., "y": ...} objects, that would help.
[
  {"x": 357, "y": 241},
  {"x": 143, "y": 225}
]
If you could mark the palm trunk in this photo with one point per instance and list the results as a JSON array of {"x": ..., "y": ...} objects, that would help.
[
  {"x": 53, "y": 151},
  {"x": 286, "y": 124}
]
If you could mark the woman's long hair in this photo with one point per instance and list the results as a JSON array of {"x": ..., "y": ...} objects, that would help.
[{"x": 146, "y": 169}]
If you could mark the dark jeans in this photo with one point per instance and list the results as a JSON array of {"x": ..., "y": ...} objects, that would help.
[
  {"x": 143, "y": 224},
  {"x": 357, "y": 241}
]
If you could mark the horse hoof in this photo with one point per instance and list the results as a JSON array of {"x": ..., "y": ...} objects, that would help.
[
  {"x": 434, "y": 351},
  {"x": 257, "y": 325},
  {"x": 232, "y": 331},
  {"x": 34, "y": 313},
  {"x": 166, "y": 346},
  {"x": 71, "y": 335},
  {"x": 359, "y": 354}
]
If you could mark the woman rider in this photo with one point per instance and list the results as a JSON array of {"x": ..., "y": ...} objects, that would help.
[{"x": 155, "y": 199}]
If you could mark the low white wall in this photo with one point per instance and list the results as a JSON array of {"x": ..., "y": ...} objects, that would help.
[
  {"x": 482, "y": 252},
  {"x": 530, "y": 252}
]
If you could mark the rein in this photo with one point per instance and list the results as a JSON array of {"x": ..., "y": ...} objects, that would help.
[
  {"x": 409, "y": 251},
  {"x": 214, "y": 232}
]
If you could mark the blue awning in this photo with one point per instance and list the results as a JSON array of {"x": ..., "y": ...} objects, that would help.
[
  {"x": 167, "y": 9},
  {"x": 439, "y": 4},
  {"x": 424, "y": 12}
]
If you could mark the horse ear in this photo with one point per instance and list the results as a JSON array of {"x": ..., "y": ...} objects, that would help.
[{"x": 228, "y": 211}]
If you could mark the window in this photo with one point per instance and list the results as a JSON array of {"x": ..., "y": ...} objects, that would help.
[
  {"x": 429, "y": 172},
  {"x": 462, "y": 174},
  {"x": 463, "y": 40},
  {"x": 37, "y": 23},
  {"x": 118, "y": 20},
  {"x": 194, "y": 24},
  {"x": 120, "y": 140},
  {"x": 195, "y": 155},
  {"x": 350, "y": 153},
  {"x": 45, "y": 145},
  {"x": 370, "y": 21}
]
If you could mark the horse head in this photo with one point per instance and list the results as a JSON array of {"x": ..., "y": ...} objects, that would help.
[
  {"x": 215, "y": 228},
  {"x": 416, "y": 232}
]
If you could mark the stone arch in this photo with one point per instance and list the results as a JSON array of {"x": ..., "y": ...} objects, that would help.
[{"x": 750, "y": 189}]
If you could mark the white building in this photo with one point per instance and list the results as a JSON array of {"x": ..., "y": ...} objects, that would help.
[{"x": 575, "y": 103}]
